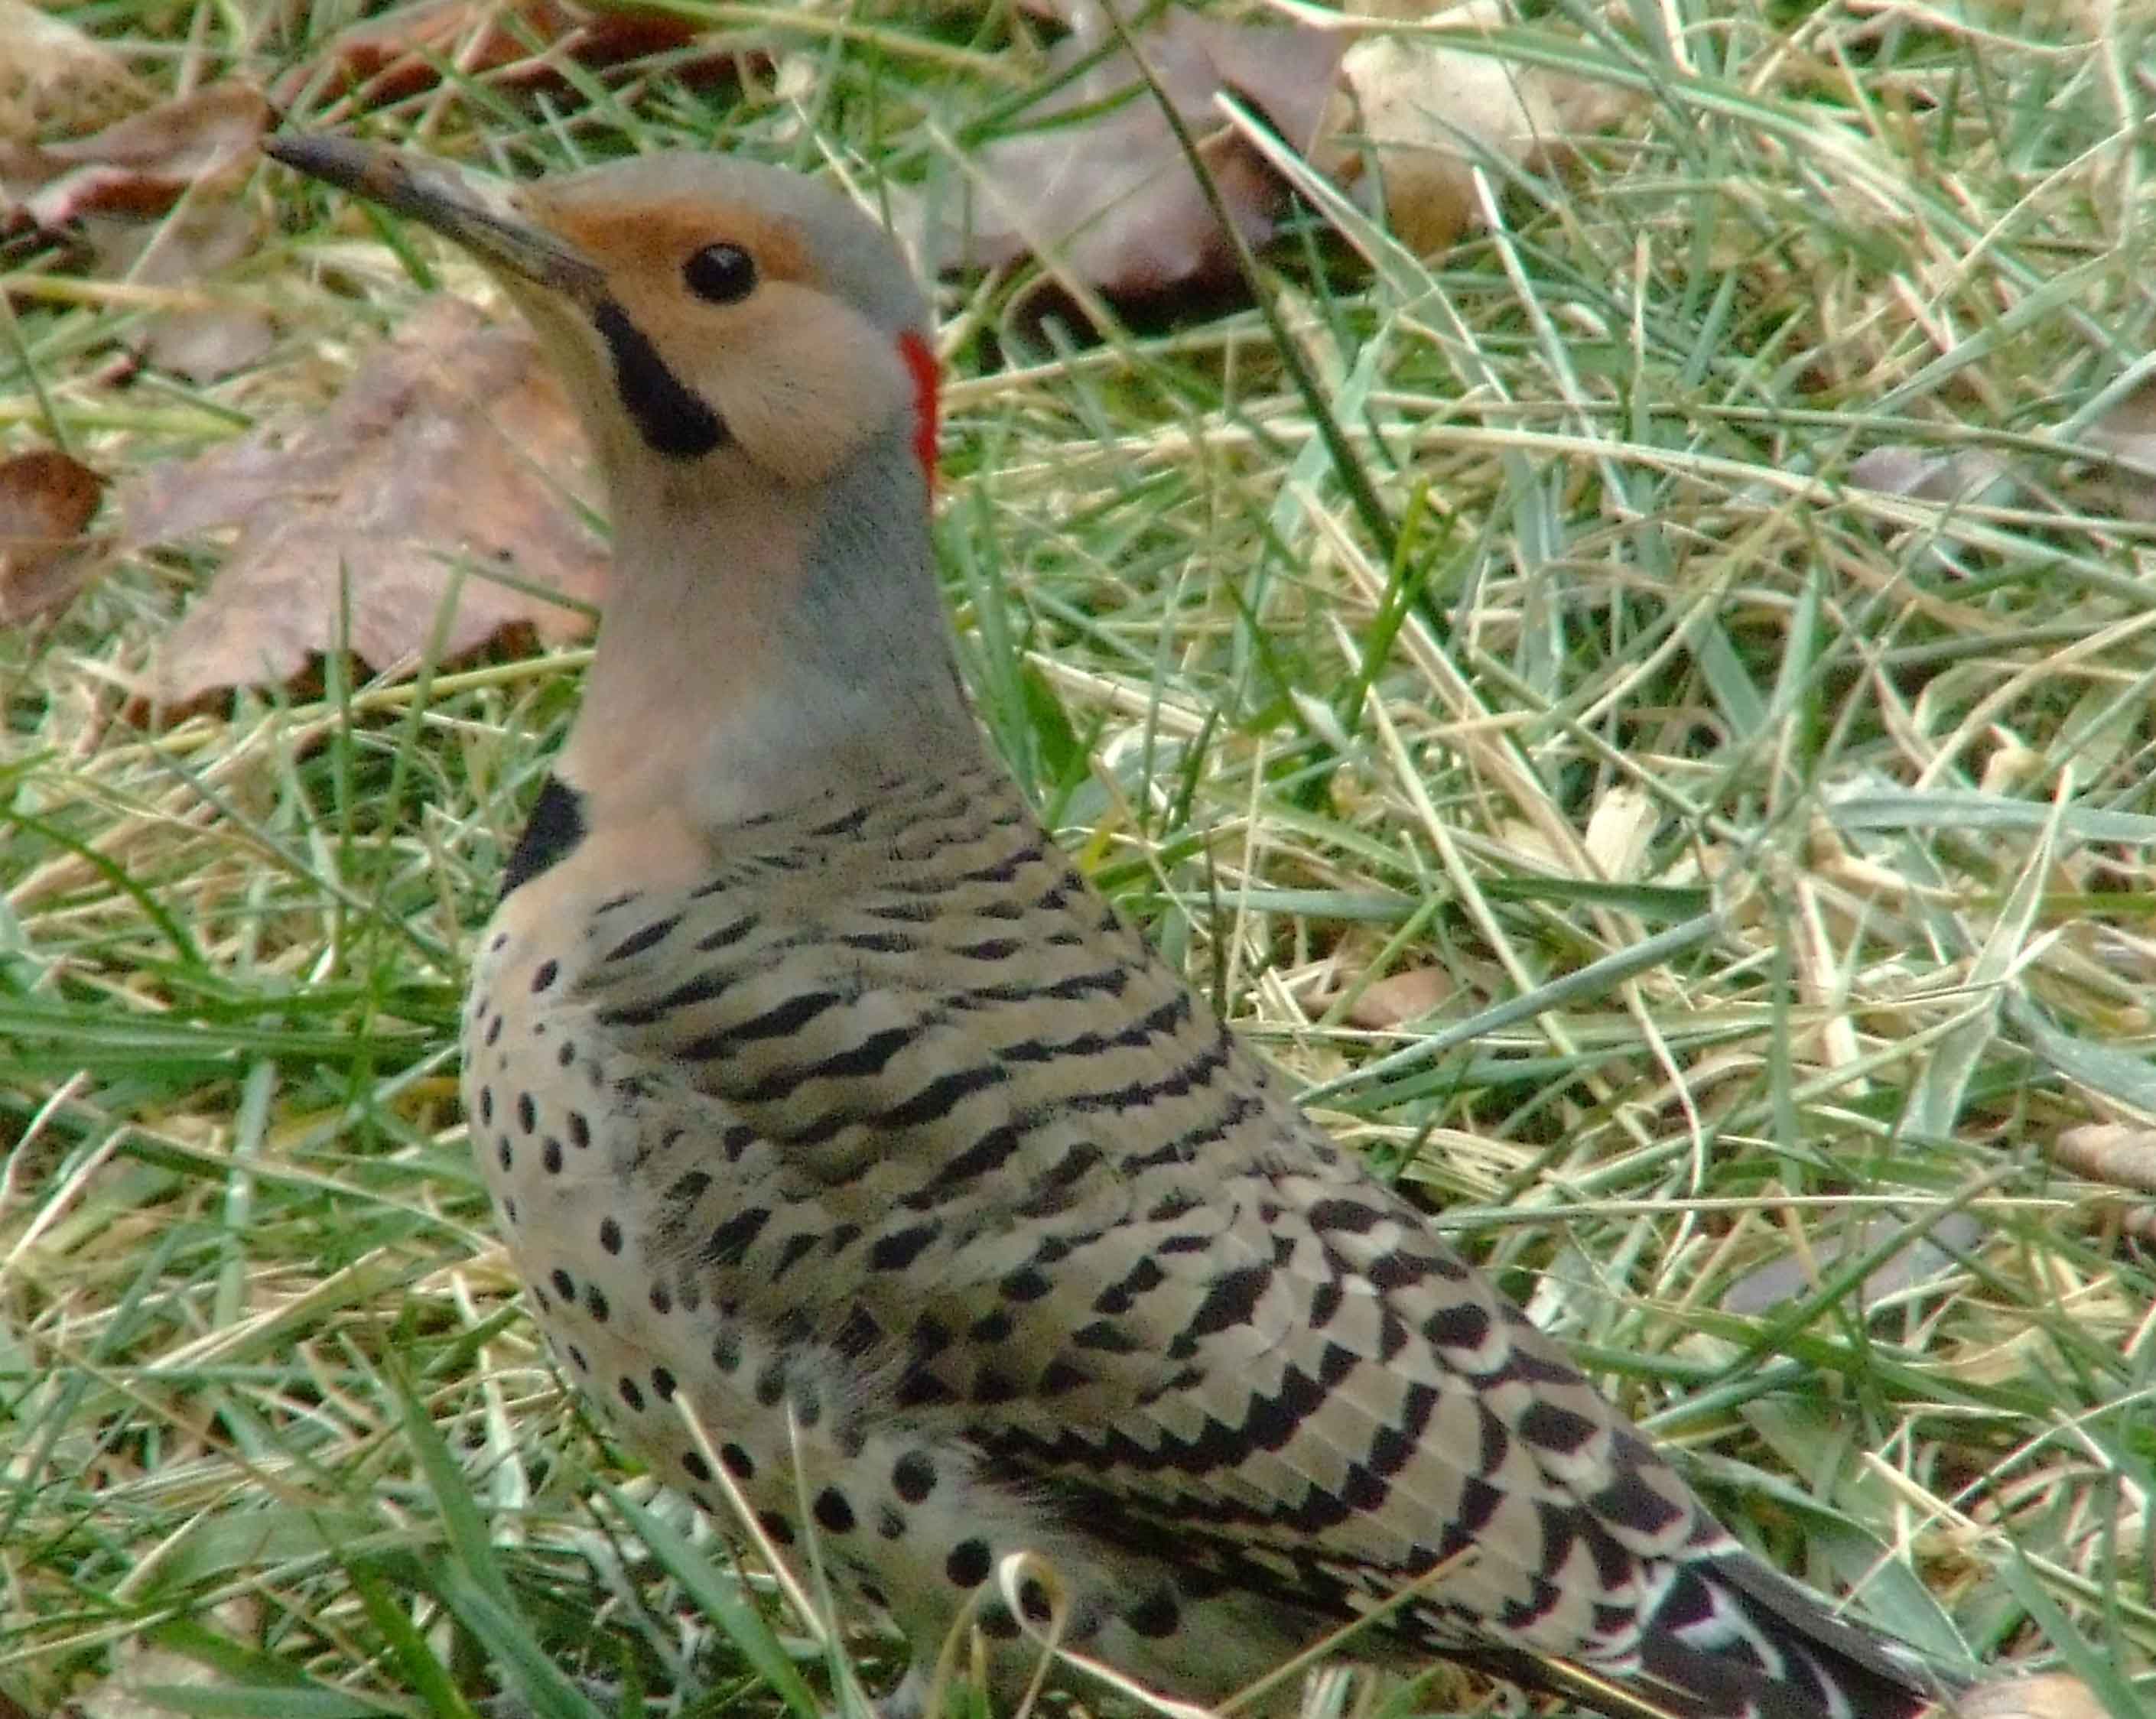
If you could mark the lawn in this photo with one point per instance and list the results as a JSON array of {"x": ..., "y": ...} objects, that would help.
[{"x": 1645, "y": 716}]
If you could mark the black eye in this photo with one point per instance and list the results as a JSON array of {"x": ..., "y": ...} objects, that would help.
[{"x": 721, "y": 273}]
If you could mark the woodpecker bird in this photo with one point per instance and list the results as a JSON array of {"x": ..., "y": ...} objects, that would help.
[{"x": 848, "y": 1141}]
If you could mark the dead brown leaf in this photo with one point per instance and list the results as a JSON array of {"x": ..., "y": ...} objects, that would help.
[
  {"x": 142, "y": 1672},
  {"x": 2111, "y": 1153},
  {"x": 54, "y": 79},
  {"x": 1109, "y": 192},
  {"x": 193, "y": 244},
  {"x": 1966, "y": 475},
  {"x": 1928, "y": 1256},
  {"x": 505, "y": 42},
  {"x": 1423, "y": 113},
  {"x": 1393, "y": 1000},
  {"x": 46, "y": 502},
  {"x": 141, "y": 165},
  {"x": 2128, "y": 434},
  {"x": 2055, "y": 1695},
  {"x": 2121, "y": 484},
  {"x": 448, "y": 446}
]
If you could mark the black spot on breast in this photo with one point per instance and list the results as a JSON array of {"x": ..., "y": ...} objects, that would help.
[
  {"x": 834, "y": 1514},
  {"x": 674, "y": 421},
  {"x": 556, "y": 826},
  {"x": 913, "y": 1477},
  {"x": 968, "y": 1565},
  {"x": 777, "y": 1526},
  {"x": 1156, "y": 1617}
]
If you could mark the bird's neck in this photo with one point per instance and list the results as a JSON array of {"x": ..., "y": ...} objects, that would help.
[{"x": 765, "y": 643}]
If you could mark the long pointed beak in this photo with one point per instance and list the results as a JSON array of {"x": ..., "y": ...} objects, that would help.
[{"x": 476, "y": 213}]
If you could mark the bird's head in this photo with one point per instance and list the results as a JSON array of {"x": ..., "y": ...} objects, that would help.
[
  {"x": 697, "y": 305},
  {"x": 750, "y": 357}
]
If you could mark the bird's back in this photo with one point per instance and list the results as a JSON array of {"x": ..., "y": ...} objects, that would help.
[{"x": 884, "y": 1121}]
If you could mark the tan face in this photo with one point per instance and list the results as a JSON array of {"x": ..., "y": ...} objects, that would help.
[{"x": 713, "y": 329}]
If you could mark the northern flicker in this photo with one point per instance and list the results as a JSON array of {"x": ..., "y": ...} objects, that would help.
[{"x": 848, "y": 1141}]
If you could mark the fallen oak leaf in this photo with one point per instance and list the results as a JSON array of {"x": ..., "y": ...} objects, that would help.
[
  {"x": 2050, "y": 1695},
  {"x": 144, "y": 164},
  {"x": 1926, "y": 1257},
  {"x": 198, "y": 240},
  {"x": 2119, "y": 482},
  {"x": 1965, "y": 475},
  {"x": 46, "y": 499},
  {"x": 1101, "y": 182},
  {"x": 2111, "y": 1153},
  {"x": 1390, "y": 1002},
  {"x": 52, "y": 77},
  {"x": 2127, "y": 435},
  {"x": 501, "y": 41},
  {"x": 1423, "y": 112},
  {"x": 439, "y": 452}
]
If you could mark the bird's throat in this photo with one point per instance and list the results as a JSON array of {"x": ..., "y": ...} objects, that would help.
[{"x": 762, "y": 642}]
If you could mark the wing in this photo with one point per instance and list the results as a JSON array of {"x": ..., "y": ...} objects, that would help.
[{"x": 1019, "y": 1165}]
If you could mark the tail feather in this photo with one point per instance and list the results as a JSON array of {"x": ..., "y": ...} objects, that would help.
[{"x": 1731, "y": 1639}]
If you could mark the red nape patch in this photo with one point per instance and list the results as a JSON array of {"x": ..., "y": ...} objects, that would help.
[{"x": 920, "y": 364}]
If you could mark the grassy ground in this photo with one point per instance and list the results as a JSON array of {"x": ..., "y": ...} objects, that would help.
[{"x": 1785, "y": 848}]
